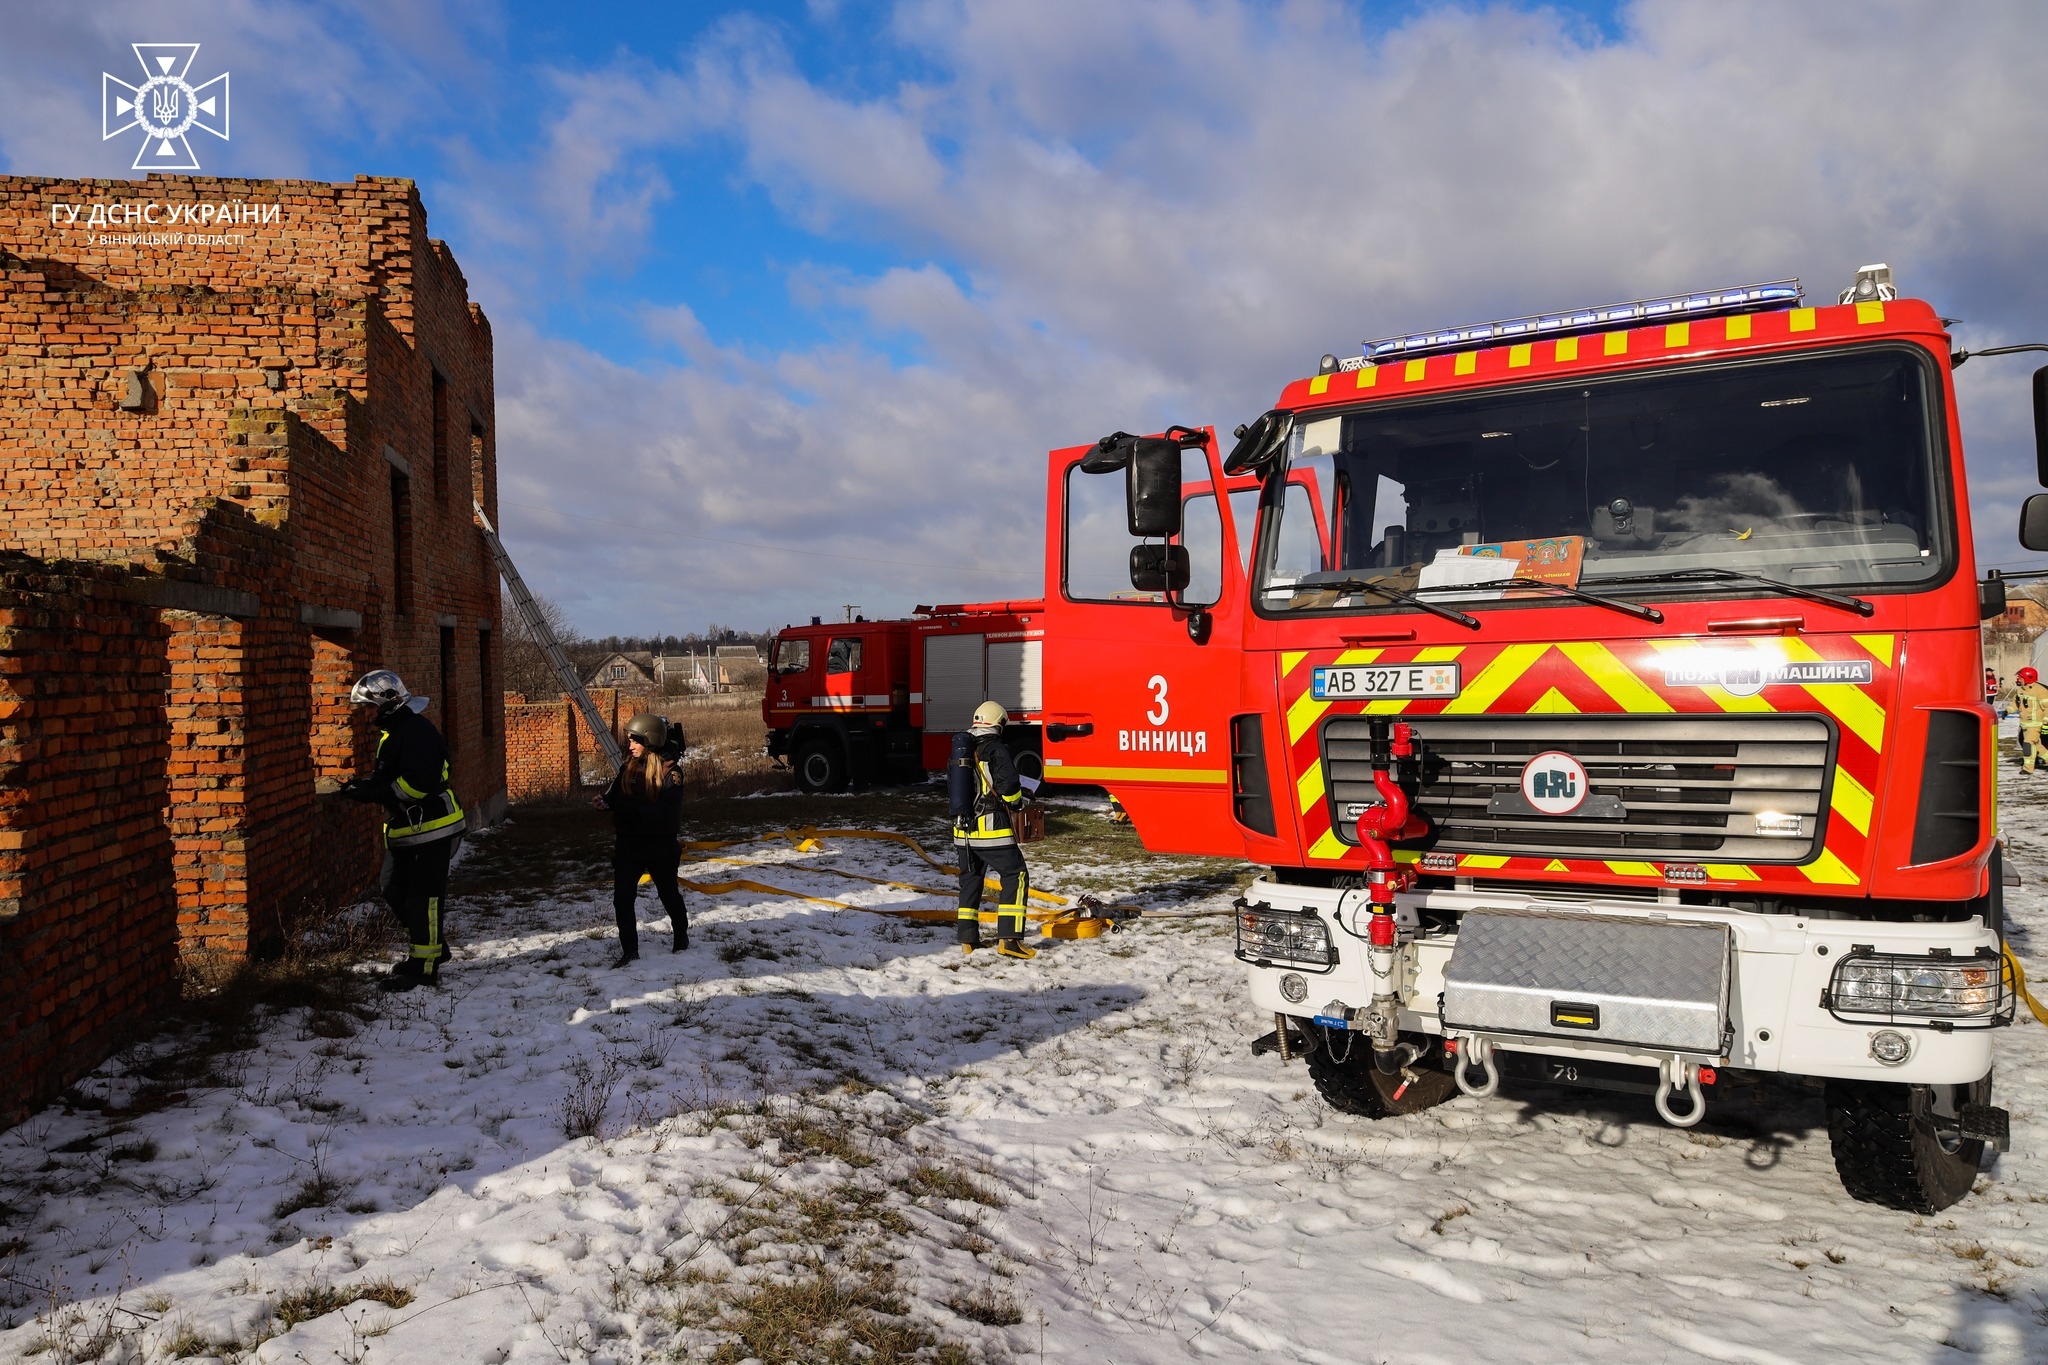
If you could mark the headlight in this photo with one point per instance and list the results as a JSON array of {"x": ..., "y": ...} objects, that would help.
[
  {"x": 1267, "y": 937},
  {"x": 1888, "y": 984}
]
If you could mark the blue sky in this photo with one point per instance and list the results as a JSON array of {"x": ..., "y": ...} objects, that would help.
[{"x": 791, "y": 298}]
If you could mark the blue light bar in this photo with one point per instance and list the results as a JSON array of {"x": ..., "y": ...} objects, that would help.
[{"x": 1718, "y": 303}]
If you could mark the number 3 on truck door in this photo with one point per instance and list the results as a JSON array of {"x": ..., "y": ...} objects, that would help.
[{"x": 1158, "y": 714}]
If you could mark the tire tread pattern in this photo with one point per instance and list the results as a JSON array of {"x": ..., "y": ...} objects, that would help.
[{"x": 1885, "y": 1157}]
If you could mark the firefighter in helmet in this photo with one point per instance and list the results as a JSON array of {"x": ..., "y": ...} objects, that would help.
[
  {"x": 985, "y": 794},
  {"x": 423, "y": 822},
  {"x": 2032, "y": 700},
  {"x": 646, "y": 802}
]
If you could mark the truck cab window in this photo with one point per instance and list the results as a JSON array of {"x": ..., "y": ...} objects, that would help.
[
  {"x": 1098, "y": 544},
  {"x": 844, "y": 658},
  {"x": 792, "y": 656}
]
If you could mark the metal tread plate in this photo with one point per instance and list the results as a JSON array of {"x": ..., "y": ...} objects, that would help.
[{"x": 1657, "y": 984}]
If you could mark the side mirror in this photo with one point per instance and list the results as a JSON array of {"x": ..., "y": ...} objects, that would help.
[
  {"x": 2040, "y": 428},
  {"x": 1152, "y": 488},
  {"x": 1160, "y": 568},
  {"x": 1991, "y": 597},
  {"x": 2034, "y": 522}
]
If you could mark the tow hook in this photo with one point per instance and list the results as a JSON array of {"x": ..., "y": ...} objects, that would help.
[
  {"x": 1680, "y": 1074},
  {"x": 1476, "y": 1052}
]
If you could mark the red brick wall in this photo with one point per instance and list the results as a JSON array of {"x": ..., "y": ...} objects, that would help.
[
  {"x": 540, "y": 751},
  {"x": 241, "y": 522}
]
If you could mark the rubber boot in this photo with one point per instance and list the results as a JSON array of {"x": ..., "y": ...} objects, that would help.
[
  {"x": 1014, "y": 947},
  {"x": 967, "y": 929}
]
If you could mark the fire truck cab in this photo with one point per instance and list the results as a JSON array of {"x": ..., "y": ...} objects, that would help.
[
  {"x": 879, "y": 701},
  {"x": 1603, "y": 691}
]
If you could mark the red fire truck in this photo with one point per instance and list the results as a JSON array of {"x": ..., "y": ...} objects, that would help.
[
  {"x": 1603, "y": 691},
  {"x": 873, "y": 701}
]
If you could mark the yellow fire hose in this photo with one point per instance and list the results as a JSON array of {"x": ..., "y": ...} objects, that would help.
[
  {"x": 1067, "y": 922},
  {"x": 2018, "y": 976}
]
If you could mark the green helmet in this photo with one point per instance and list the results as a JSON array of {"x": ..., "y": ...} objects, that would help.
[{"x": 650, "y": 729}]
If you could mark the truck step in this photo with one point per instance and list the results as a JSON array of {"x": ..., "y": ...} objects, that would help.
[{"x": 1987, "y": 1122}]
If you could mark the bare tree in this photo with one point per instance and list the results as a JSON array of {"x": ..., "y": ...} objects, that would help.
[{"x": 527, "y": 670}]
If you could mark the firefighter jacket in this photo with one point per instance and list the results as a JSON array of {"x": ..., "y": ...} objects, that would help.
[
  {"x": 2032, "y": 700},
  {"x": 410, "y": 780},
  {"x": 641, "y": 816},
  {"x": 997, "y": 793}
]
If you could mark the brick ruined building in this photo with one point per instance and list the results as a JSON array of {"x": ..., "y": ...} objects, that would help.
[{"x": 233, "y": 475}]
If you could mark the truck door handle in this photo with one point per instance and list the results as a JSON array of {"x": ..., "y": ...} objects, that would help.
[{"x": 1056, "y": 732}]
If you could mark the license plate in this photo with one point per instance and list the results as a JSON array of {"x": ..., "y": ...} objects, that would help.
[{"x": 1385, "y": 680}]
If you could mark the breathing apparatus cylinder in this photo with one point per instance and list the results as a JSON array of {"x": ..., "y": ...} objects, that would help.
[{"x": 960, "y": 784}]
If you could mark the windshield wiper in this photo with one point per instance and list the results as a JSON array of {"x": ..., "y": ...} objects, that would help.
[
  {"x": 1832, "y": 599},
  {"x": 1635, "y": 609},
  {"x": 1406, "y": 599}
]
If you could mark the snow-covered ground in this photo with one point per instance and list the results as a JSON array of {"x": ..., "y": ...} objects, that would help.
[{"x": 816, "y": 1128}]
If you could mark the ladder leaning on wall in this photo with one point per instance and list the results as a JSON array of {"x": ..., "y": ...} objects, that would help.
[{"x": 537, "y": 624}]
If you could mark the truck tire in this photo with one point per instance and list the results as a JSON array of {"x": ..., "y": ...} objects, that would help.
[
  {"x": 1888, "y": 1151},
  {"x": 1355, "y": 1086},
  {"x": 820, "y": 765}
]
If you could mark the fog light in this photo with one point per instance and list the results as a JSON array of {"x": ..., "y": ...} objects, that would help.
[
  {"x": 1771, "y": 824},
  {"x": 1890, "y": 1048},
  {"x": 1293, "y": 989}
]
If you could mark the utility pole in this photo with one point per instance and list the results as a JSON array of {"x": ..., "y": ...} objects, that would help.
[{"x": 852, "y": 609}]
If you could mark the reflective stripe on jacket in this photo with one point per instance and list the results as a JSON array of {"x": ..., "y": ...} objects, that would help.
[
  {"x": 411, "y": 781},
  {"x": 997, "y": 793},
  {"x": 2033, "y": 705}
]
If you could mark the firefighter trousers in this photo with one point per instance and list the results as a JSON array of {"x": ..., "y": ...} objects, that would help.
[
  {"x": 2031, "y": 751},
  {"x": 657, "y": 858},
  {"x": 414, "y": 884},
  {"x": 1007, "y": 862}
]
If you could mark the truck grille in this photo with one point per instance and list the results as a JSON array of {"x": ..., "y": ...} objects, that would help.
[{"x": 1679, "y": 787}]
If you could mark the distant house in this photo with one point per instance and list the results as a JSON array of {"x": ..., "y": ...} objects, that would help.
[
  {"x": 623, "y": 670},
  {"x": 745, "y": 654},
  {"x": 2024, "y": 613}
]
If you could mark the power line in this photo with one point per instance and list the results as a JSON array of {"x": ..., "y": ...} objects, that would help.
[{"x": 752, "y": 545}]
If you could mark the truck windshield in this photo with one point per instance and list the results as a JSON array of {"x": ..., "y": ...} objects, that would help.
[{"x": 1815, "y": 471}]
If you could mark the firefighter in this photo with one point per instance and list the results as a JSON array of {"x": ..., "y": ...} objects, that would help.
[
  {"x": 985, "y": 837},
  {"x": 646, "y": 802},
  {"x": 423, "y": 822},
  {"x": 2032, "y": 700}
]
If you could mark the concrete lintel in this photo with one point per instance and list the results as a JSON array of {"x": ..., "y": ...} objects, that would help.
[
  {"x": 329, "y": 618},
  {"x": 447, "y": 620},
  {"x": 206, "y": 599},
  {"x": 397, "y": 461},
  {"x": 484, "y": 623},
  {"x": 476, "y": 417}
]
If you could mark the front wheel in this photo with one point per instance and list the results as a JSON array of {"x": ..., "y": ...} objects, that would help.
[
  {"x": 1897, "y": 1145},
  {"x": 1349, "y": 1082},
  {"x": 820, "y": 766}
]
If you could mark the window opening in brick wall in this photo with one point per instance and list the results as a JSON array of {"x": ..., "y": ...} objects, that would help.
[
  {"x": 448, "y": 687},
  {"x": 476, "y": 462},
  {"x": 332, "y": 734},
  {"x": 401, "y": 542},
  {"x": 485, "y": 711},
  {"x": 442, "y": 435}
]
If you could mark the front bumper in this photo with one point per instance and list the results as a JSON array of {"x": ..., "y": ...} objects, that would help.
[{"x": 1776, "y": 1016}]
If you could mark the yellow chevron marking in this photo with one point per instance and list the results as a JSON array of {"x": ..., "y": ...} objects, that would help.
[
  {"x": 1614, "y": 343},
  {"x": 1802, "y": 320},
  {"x": 1290, "y": 659},
  {"x": 1310, "y": 789},
  {"x": 1851, "y": 800},
  {"x": 1851, "y": 705},
  {"x": 1329, "y": 848},
  {"x": 1677, "y": 334},
  {"x": 1730, "y": 872},
  {"x": 1613, "y": 677},
  {"x": 1553, "y": 703},
  {"x": 1407, "y": 855},
  {"x": 1880, "y": 646},
  {"x": 1320, "y": 384},
  {"x": 1567, "y": 349},
  {"x": 1496, "y": 678},
  {"x": 1306, "y": 710},
  {"x": 1518, "y": 356},
  {"x": 1634, "y": 869},
  {"x": 1368, "y": 376},
  {"x": 1467, "y": 362},
  {"x": 1830, "y": 870},
  {"x": 1738, "y": 327},
  {"x": 1714, "y": 693},
  {"x": 1483, "y": 860},
  {"x": 1555, "y": 866},
  {"x": 1387, "y": 706},
  {"x": 1870, "y": 312},
  {"x": 1438, "y": 654},
  {"x": 1415, "y": 369}
]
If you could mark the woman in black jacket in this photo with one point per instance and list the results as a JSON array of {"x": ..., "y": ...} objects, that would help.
[{"x": 646, "y": 802}]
